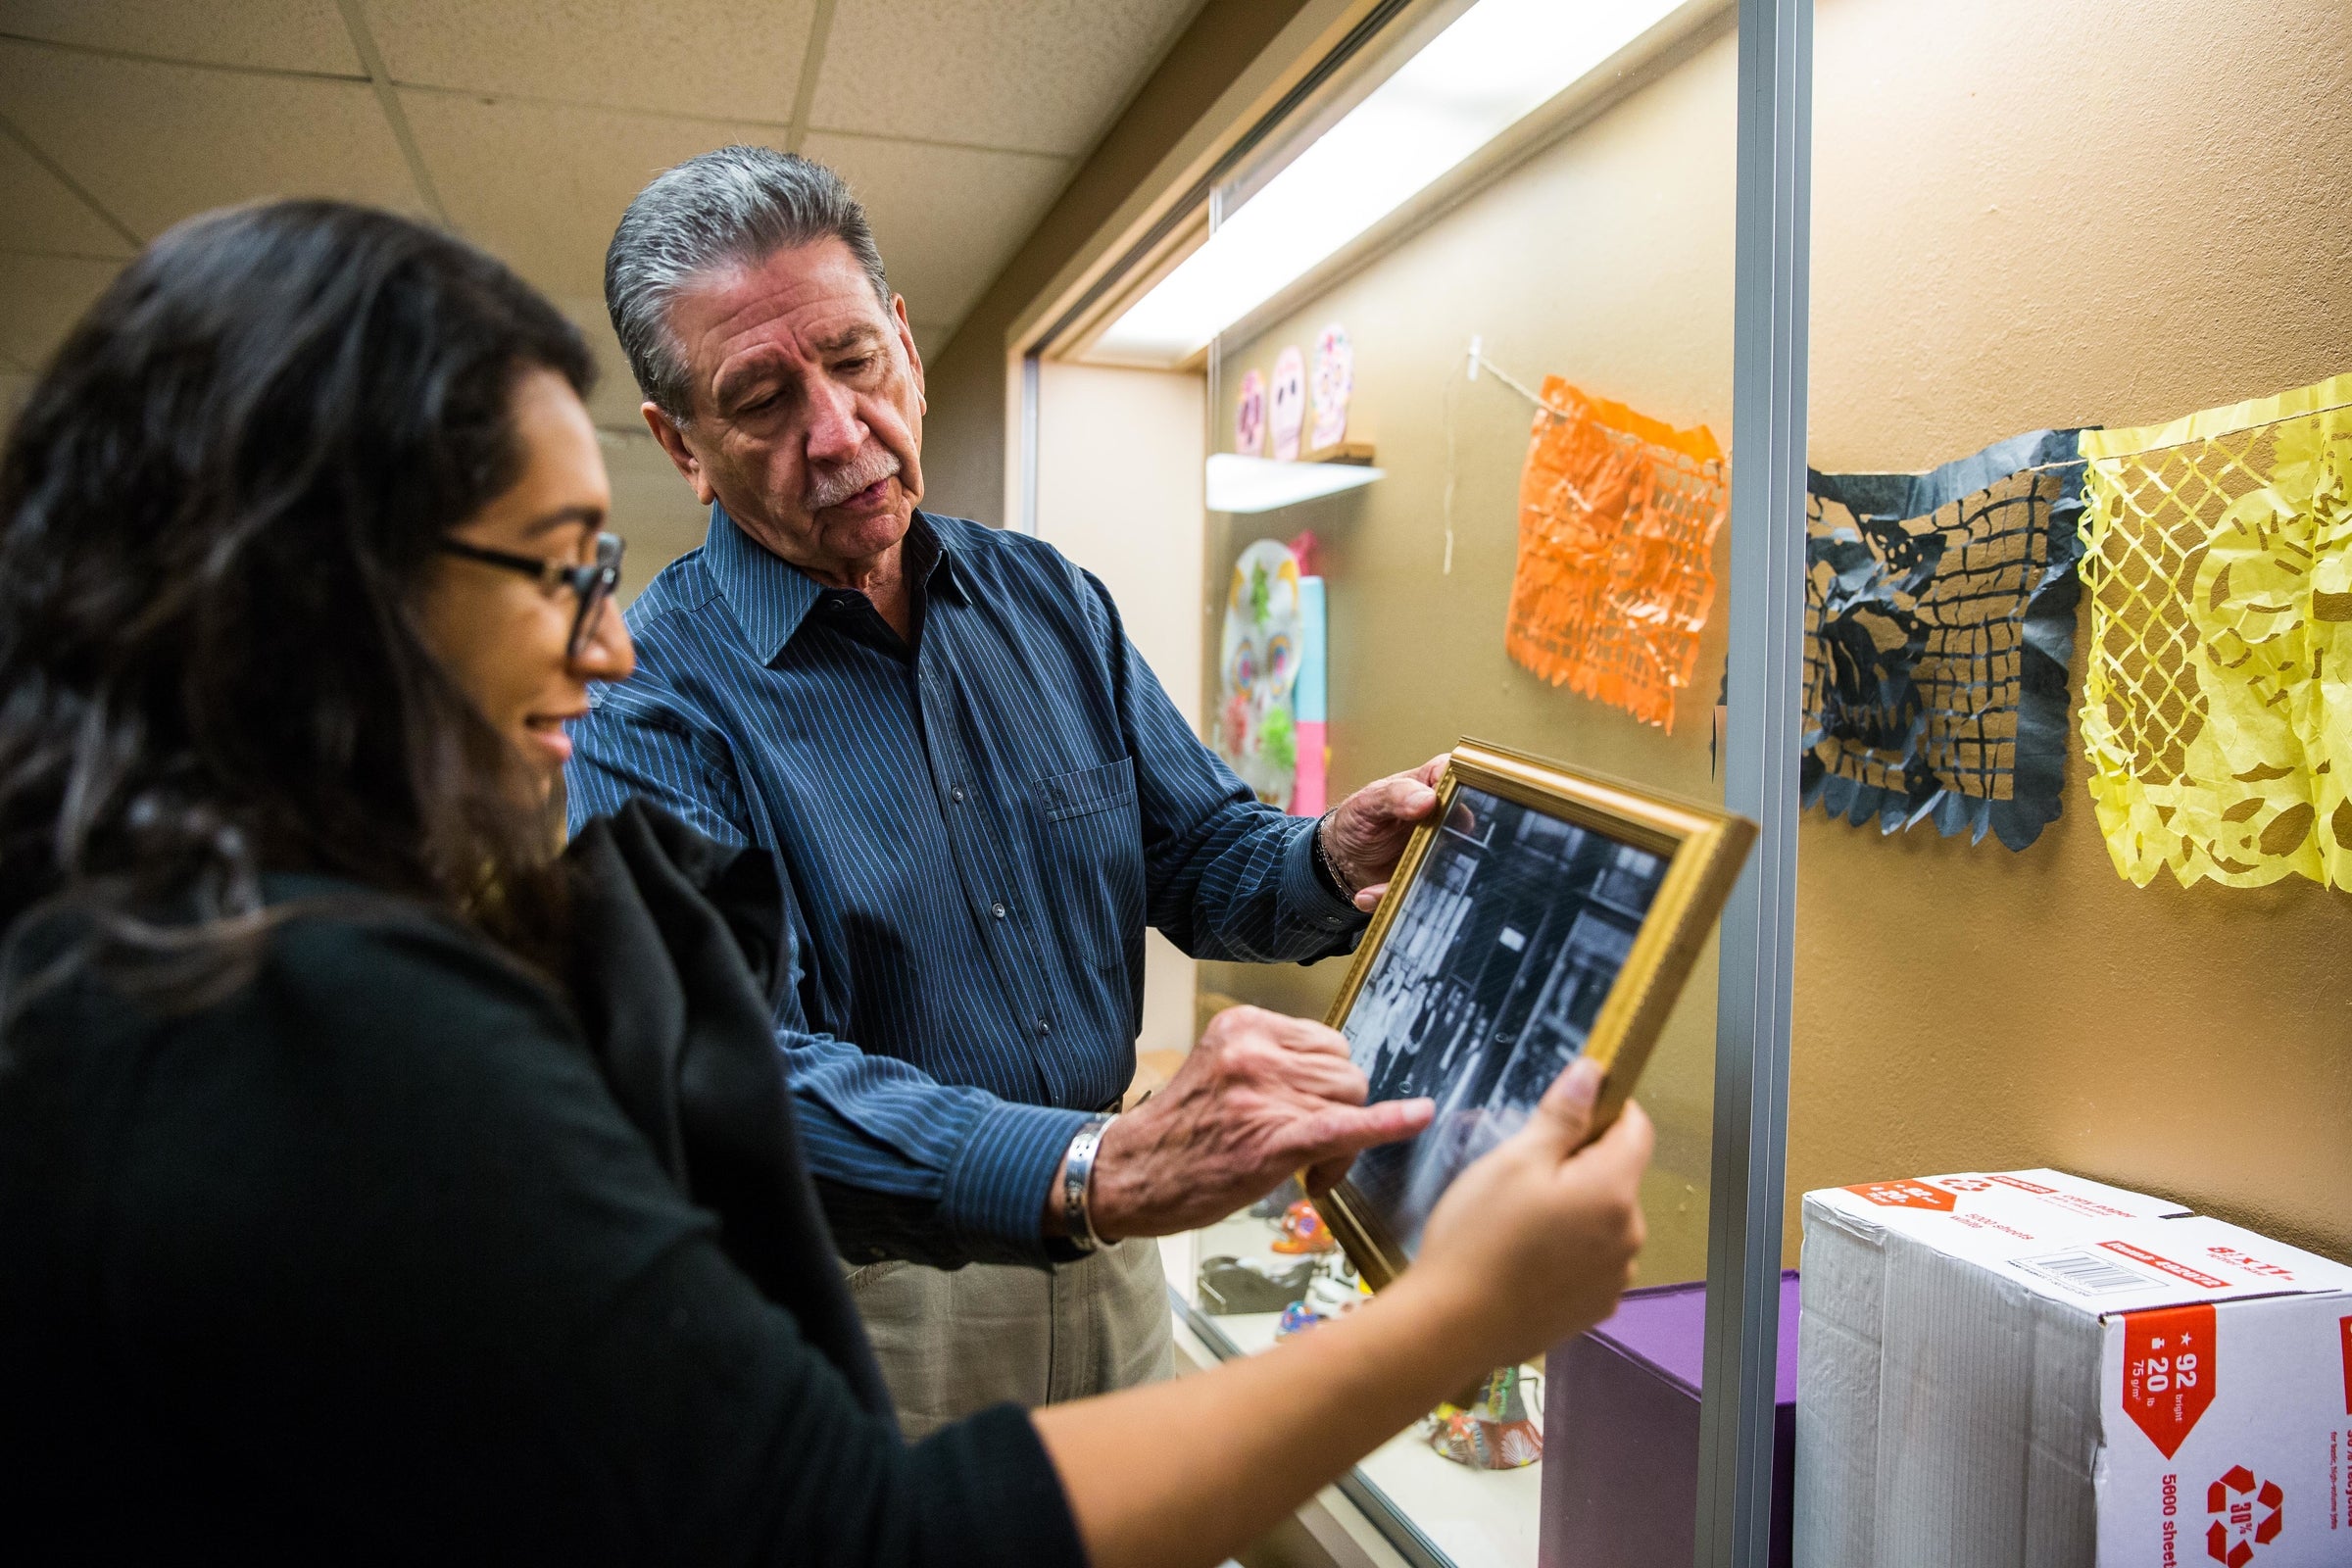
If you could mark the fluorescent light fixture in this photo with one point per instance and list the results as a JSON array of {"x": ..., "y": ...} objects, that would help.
[
  {"x": 1261, "y": 484},
  {"x": 1495, "y": 63}
]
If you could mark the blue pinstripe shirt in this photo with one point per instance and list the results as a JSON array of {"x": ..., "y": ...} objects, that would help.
[{"x": 972, "y": 832}]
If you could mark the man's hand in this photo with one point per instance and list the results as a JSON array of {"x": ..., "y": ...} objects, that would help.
[
  {"x": 1364, "y": 835},
  {"x": 1261, "y": 1098}
]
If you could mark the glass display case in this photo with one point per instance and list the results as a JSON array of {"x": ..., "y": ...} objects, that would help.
[
  {"x": 1939, "y": 655},
  {"x": 1399, "y": 555}
]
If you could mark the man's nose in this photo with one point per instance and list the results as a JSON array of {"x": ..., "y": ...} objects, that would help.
[{"x": 835, "y": 431}]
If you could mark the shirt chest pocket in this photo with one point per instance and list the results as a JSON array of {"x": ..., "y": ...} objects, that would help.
[{"x": 1091, "y": 862}]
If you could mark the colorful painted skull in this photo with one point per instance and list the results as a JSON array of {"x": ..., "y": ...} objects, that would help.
[
  {"x": 1257, "y": 732},
  {"x": 1250, "y": 415},
  {"x": 1335, "y": 385}
]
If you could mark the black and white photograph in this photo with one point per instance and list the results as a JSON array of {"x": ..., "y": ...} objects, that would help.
[{"x": 1498, "y": 960}]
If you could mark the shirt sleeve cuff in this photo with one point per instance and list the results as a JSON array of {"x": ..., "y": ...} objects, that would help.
[
  {"x": 999, "y": 1183},
  {"x": 1308, "y": 897}
]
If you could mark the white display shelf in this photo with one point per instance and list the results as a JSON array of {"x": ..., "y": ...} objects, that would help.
[{"x": 1474, "y": 1517}]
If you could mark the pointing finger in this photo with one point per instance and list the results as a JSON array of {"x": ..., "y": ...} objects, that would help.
[{"x": 1341, "y": 1133}]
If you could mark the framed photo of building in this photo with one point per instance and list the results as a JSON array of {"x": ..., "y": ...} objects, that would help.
[{"x": 1540, "y": 915}]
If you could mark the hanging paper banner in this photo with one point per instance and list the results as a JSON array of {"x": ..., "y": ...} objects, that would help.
[
  {"x": 2217, "y": 712},
  {"x": 1939, "y": 620},
  {"x": 1257, "y": 727},
  {"x": 1618, "y": 515}
]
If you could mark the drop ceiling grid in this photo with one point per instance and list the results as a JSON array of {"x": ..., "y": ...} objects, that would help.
[
  {"x": 304, "y": 36},
  {"x": 958, "y": 122}
]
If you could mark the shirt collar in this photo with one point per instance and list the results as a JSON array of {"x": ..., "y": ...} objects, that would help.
[{"x": 770, "y": 597}]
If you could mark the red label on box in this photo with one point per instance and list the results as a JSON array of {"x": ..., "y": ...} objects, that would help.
[
  {"x": 2022, "y": 1186},
  {"x": 2180, "y": 1271},
  {"x": 1906, "y": 1194},
  {"x": 2169, "y": 1372},
  {"x": 2344, "y": 1327}
]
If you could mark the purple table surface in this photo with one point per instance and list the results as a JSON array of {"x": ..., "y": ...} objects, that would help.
[{"x": 1664, "y": 1327}]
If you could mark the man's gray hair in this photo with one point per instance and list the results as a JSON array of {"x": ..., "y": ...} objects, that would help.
[{"x": 736, "y": 206}]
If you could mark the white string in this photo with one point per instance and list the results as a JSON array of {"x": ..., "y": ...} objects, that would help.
[
  {"x": 1445, "y": 400},
  {"x": 1478, "y": 358}
]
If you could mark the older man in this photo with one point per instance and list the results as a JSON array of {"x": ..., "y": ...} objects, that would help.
[{"x": 977, "y": 794}]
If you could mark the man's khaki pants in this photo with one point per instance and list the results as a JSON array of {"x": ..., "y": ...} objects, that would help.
[{"x": 953, "y": 1342}]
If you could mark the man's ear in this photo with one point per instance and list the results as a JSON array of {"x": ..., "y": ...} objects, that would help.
[
  {"x": 674, "y": 441},
  {"x": 914, "y": 358}
]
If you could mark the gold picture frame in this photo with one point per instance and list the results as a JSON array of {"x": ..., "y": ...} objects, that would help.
[{"x": 1680, "y": 857}]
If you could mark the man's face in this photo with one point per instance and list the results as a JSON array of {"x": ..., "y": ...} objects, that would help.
[{"x": 806, "y": 406}]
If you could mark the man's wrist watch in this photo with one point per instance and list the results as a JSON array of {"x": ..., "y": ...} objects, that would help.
[{"x": 1077, "y": 1185}]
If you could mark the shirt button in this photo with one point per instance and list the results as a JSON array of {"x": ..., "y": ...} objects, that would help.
[
  {"x": 1044, "y": 1026},
  {"x": 997, "y": 910},
  {"x": 957, "y": 795}
]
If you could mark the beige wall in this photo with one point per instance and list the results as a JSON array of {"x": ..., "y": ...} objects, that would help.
[
  {"x": 1118, "y": 491},
  {"x": 2027, "y": 213},
  {"x": 1608, "y": 256},
  {"x": 963, "y": 435}
]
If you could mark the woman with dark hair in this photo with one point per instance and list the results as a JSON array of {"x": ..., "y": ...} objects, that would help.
[{"x": 377, "y": 1183}]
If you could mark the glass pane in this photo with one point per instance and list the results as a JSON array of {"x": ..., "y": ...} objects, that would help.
[
  {"x": 1585, "y": 626},
  {"x": 2011, "y": 237}
]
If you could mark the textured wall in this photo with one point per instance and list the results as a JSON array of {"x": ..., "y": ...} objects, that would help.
[{"x": 2025, "y": 213}]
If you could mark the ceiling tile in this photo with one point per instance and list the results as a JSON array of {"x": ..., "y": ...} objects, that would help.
[
  {"x": 544, "y": 184},
  {"x": 275, "y": 34},
  {"x": 42, "y": 297},
  {"x": 946, "y": 218},
  {"x": 37, "y": 213},
  {"x": 155, "y": 143},
  {"x": 1043, "y": 75},
  {"x": 739, "y": 58}
]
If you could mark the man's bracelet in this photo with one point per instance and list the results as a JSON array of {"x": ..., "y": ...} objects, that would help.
[
  {"x": 1331, "y": 873},
  {"x": 1077, "y": 1184}
]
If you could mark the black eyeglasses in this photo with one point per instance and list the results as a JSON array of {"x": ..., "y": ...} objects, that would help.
[{"x": 591, "y": 584}]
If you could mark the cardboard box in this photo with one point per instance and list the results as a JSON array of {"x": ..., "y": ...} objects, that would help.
[
  {"x": 1621, "y": 1434},
  {"x": 2029, "y": 1370}
]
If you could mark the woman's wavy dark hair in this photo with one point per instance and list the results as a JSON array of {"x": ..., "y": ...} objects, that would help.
[{"x": 218, "y": 506}]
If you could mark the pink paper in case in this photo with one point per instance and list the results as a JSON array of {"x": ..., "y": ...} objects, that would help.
[
  {"x": 1311, "y": 788},
  {"x": 1311, "y": 793}
]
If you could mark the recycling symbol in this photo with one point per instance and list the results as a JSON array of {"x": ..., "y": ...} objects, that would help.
[{"x": 2249, "y": 1516}]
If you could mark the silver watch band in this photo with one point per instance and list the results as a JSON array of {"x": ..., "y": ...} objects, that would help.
[{"x": 1077, "y": 1184}]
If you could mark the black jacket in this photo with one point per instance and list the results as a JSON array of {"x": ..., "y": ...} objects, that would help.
[{"x": 397, "y": 1254}]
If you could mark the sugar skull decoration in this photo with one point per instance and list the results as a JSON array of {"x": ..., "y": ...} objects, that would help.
[
  {"x": 1302, "y": 1230},
  {"x": 1256, "y": 729},
  {"x": 1286, "y": 402},
  {"x": 1335, "y": 384},
  {"x": 1501, "y": 1431},
  {"x": 1250, "y": 415}
]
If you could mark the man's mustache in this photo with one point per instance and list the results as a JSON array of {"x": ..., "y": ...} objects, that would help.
[{"x": 833, "y": 488}]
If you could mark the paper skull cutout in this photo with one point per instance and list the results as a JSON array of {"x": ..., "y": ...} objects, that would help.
[
  {"x": 1250, "y": 415},
  {"x": 1257, "y": 730},
  {"x": 1335, "y": 384},
  {"x": 1286, "y": 402}
]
